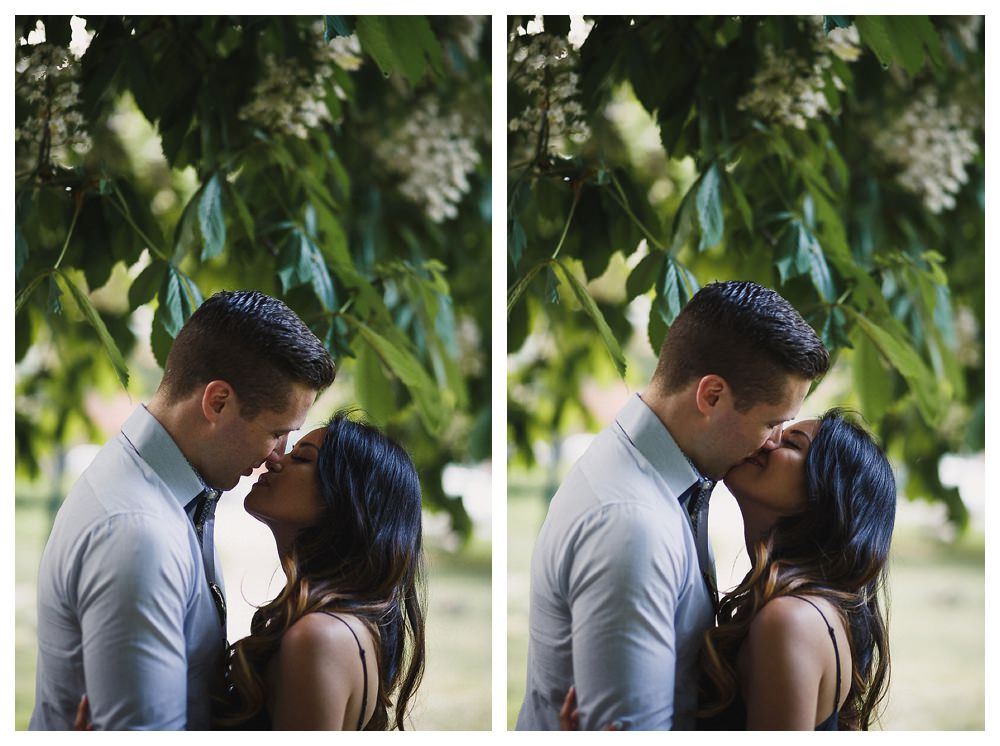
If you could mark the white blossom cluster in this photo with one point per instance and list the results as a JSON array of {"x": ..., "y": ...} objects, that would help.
[
  {"x": 932, "y": 144},
  {"x": 544, "y": 65},
  {"x": 46, "y": 79},
  {"x": 290, "y": 100},
  {"x": 842, "y": 42},
  {"x": 434, "y": 154},
  {"x": 788, "y": 89}
]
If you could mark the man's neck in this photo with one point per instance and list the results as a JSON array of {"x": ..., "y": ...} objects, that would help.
[
  {"x": 174, "y": 419},
  {"x": 671, "y": 411}
]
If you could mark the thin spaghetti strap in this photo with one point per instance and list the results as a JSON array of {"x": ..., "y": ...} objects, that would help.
[
  {"x": 836, "y": 650},
  {"x": 364, "y": 668}
]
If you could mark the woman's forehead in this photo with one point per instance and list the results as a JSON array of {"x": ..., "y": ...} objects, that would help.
[{"x": 808, "y": 426}]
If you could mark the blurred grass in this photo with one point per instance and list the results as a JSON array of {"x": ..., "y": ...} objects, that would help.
[
  {"x": 455, "y": 694},
  {"x": 937, "y": 618}
]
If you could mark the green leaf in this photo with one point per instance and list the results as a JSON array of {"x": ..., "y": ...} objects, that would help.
[
  {"x": 20, "y": 251},
  {"x": 405, "y": 366},
  {"x": 551, "y": 285},
  {"x": 185, "y": 232},
  {"x": 740, "y": 201},
  {"x": 319, "y": 275},
  {"x": 911, "y": 36},
  {"x": 371, "y": 387},
  {"x": 832, "y": 22},
  {"x": 144, "y": 287},
  {"x": 709, "y": 203},
  {"x": 294, "y": 262},
  {"x": 94, "y": 319},
  {"x": 210, "y": 218},
  {"x": 871, "y": 379},
  {"x": 521, "y": 285},
  {"x": 811, "y": 253},
  {"x": 591, "y": 309},
  {"x": 54, "y": 303},
  {"x": 403, "y": 43},
  {"x": 336, "y": 26},
  {"x": 931, "y": 398},
  {"x": 684, "y": 220},
  {"x": 657, "y": 329},
  {"x": 160, "y": 340},
  {"x": 241, "y": 211},
  {"x": 175, "y": 305},
  {"x": 642, "y": 277},
  {"x": 875, "y": 33},
  {"x": 23, "y": 295},
  {"x": 670, "y": 292},
  {"x": 416, "y": 46},
  {"x": 516, "y": 241}
]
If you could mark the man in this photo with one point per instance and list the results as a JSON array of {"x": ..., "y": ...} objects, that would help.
[
  {"x": 622, "y": 577},
  {"x": 131, "y": 609}
]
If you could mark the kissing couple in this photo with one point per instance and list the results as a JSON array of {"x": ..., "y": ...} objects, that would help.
[
  {"x": 627, "y": 630},
  {"x": 131, "y": 604}
]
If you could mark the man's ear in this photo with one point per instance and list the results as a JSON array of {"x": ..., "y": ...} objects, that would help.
[
  {"x": 709, "y": 392},
  {"x": 215, "y": 398}
]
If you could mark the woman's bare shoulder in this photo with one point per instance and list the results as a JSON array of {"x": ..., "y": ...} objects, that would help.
[
  {"x": 788, "y": 622},
  {"x": 322, "y": 633}
]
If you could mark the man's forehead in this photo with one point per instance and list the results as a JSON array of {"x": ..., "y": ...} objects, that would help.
[{"x": 795, "y": 393}]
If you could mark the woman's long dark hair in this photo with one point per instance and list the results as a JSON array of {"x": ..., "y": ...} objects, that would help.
[
  {"x": 364, "y": 557},
  {"x": 836, "y": 548}
]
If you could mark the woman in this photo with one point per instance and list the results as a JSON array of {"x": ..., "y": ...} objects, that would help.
[
  {"x": 801, "y": 642},
  {"x": 346, "y": 633},
  {"x": 343, "y": 642}
]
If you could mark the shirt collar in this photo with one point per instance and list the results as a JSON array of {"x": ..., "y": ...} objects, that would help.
[
  {"x": 652, "y": 439},
  {"x": 155, "y": 446}
]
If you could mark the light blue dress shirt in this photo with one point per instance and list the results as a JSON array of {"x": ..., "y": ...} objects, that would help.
[
  {"x": 125, "y": 613},
  {"x": 618, "y": 602}
]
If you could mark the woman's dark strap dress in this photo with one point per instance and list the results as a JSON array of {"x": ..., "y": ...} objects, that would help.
[
  {"x": 734, "y": 717},
  {"x": 364, "y": 668}
]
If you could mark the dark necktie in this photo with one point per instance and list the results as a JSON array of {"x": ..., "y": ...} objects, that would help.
[
  {"x": 695, "y": 500},
  {"x": 204, "y": 514},
  {"x": 204, "y": 511}
]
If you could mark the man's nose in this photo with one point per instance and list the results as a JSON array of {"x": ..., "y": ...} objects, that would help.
[
  {"x": 274, "y": 458},
  {"x": 773, "y": 438}
]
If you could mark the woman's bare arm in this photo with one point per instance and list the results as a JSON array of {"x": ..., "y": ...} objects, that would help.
[
  {"x": 784, "y": 659},
  {"x": 316, "y": 681}
]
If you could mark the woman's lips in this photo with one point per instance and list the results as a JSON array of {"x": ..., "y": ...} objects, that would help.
[{"x": 755, "y": 460}]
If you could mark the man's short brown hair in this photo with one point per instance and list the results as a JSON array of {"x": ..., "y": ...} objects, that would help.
[
  {"x": 255, "y": 343},
  {"x": 745, "y": 333}
]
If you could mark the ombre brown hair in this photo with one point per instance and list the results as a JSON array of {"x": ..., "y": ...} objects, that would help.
[
  {"x": 837, "y": 548},
  {"x": 364, "y": 557}
]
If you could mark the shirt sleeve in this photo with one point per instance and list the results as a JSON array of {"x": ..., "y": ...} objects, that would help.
[
  {"x": 622, "y": 586},
  {"x": 133, "y": 589}
]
